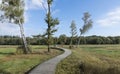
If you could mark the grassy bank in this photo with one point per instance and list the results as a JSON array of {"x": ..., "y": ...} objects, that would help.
[
  {"x": 10, "y": 63},
  {"x": 92, "y": 59}
]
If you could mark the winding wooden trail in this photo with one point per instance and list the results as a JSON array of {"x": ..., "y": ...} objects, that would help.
[{"x": 49, "y": 66}]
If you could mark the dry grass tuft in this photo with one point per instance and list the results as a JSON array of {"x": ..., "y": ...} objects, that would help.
[{"x": 92, "y": 59}]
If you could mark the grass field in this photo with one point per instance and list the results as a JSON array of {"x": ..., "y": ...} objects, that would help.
[
  {"x": 92, "y": 59},
  {"x": 11, "y": 63}
]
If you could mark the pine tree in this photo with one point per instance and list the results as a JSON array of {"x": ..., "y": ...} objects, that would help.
[{"x": 51, "y": 23}]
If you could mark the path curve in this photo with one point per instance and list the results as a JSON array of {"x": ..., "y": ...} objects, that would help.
[{"x": 49, "y": 66}]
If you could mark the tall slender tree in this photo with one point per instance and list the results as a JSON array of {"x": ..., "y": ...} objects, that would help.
[
  {"x": 13, "y": 12},
  {"x": 73, "y": 32},
  {"x": 51, "y": 23},
  {"x": 87, "y": 25}
]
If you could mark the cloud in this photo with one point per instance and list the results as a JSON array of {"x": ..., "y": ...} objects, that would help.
[
  {"x": 111, "y": 18},
  {"x": 9, "y": 29},
  {"x": 35, "y": 4},
  {"x": 0, "y": 1},
  {"x": 55, "y": 11},
  {"x": 26, "y": 17}
]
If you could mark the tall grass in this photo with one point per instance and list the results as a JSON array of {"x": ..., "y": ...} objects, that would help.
[
  {"x": 92, "y": 59},
  {"x": 11, "y": 63}
]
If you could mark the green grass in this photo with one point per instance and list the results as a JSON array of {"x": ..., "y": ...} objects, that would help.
[
  {"x": 92, "y": 59},
  {"x": 11, "y": 63}
]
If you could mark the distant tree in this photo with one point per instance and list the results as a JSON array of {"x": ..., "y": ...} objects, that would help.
[
  {"x": 99, "y": 40},
  {"x": 68, "y": 40},
  {"x": 51, "y": 23},
  {"x": 13, "y": 12},
  {"x": 39, "y": 36},
  {"x": 117, "y": 40},
  {"x": 87, "y": 25},
  {"x": 62, "y": 39},
  {"x": 55, "y": 41},
  {"x": 73, "y": 31},
  {"x": 82, "y": 40}
]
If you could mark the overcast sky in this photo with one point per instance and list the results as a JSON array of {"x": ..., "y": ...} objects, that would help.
[{"x": 104, "y": 13}]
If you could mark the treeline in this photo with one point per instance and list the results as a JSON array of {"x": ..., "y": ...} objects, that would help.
[{"x": 62, "y": 39}]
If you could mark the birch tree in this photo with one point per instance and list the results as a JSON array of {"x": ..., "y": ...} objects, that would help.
[
  {"x": 87, "y": 25},
  {"x": 73, "y": 32},
  {"x": 13, "y": 12}
]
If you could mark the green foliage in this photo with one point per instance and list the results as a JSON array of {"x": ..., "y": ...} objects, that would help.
[
  {"x": 87, "y": 23},
  {"x": 13, "y": 11},
  {"x": 51, "y": 23},
  {"x": 62, "y": 40},
  {"x": 49, "y": 1},
  {"x": 73, "y": 31}
]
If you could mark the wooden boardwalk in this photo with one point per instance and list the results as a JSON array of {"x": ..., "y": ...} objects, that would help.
[{"x": 49, "y": 66}]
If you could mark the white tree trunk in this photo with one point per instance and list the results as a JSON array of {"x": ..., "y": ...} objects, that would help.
[{"x": 23, "y": 38}]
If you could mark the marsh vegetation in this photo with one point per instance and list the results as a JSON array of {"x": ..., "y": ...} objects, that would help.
[{"x": 92, "y": 59}]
